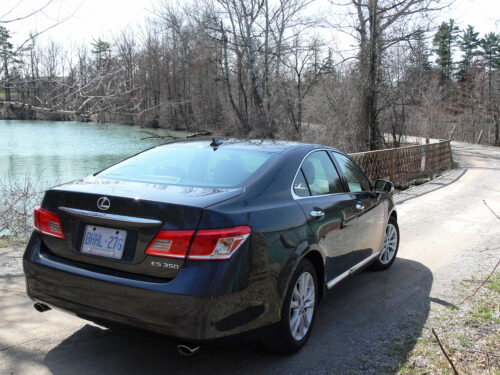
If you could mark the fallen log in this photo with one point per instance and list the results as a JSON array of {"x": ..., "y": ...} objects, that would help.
[
  {"x": 200, "y": 133},
  {"x": 30, "y": 107}
]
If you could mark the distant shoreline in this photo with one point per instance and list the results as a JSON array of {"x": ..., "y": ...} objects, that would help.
[{"x": 21, "y": 111}]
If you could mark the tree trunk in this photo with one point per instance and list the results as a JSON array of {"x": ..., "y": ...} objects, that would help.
[
  {"x": 7, "y": 78},
  {"x": 244, "y": 127},
  {"x": 267, "y": 90},
  {"x": 497, "y": 130},
  {"x": 369, "y": 60},
  {"x": 257, "y": 97},
  {"x": 299, "y": 107},
  {"x": 374, "y": 133}
]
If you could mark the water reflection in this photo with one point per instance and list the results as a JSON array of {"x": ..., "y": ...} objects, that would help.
[{"x": 56, "y": 152}]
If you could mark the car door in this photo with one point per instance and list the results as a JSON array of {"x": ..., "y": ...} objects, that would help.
[
  {"x": 370, "y": 219},
  {"x": 330, "y": 210}
]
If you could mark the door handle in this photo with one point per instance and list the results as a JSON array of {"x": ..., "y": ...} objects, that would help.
[
  {"x": 360, "y": 207},
  {"x": 316, "y": 213}
]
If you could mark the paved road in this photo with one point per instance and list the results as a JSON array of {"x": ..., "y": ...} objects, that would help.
[{"x": 448, "y": 233}]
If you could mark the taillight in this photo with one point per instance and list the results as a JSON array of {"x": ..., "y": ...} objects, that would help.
[
  {"x": 218, "y": 243},
  {"x": 170, "y": 243},
  {"x": 47, "y": 222},
  {"x": 207, "y": 244}
]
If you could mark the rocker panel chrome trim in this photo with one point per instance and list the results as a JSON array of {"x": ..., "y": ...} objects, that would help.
[{"x": 350, "y": 271}]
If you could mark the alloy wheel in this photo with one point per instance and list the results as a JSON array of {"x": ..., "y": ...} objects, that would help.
[
  {"x": 302, "y": 306},
  {"x": 390, "y": 244}
]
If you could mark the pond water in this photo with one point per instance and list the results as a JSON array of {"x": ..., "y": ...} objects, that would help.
[{"x": 53, "y": 152}]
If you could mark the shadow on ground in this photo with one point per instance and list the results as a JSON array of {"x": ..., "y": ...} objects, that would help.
[{"x": 365, "y": 325}]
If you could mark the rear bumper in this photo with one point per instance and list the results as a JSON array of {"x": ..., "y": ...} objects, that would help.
[{"x": 185, "y": 308}]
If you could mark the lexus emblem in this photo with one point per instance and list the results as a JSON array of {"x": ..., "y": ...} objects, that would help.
[{"x": 103, "y": 203}]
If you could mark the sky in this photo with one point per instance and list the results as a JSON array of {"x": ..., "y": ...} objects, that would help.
[
  {"x": 86, "y": 19},
  {"x": 91, "y": 19}
]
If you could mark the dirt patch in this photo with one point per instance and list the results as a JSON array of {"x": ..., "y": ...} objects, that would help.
[{"x": 469, "y": 332}]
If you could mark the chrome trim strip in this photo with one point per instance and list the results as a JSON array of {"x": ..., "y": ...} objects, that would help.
[
  {"x": 337, "y": 279},
  {"x": 138, "y": 221},
  {"x": 350, "y": 271}
]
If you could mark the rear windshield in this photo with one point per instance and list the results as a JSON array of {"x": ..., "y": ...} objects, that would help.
[{"x": 190, "y": 166}]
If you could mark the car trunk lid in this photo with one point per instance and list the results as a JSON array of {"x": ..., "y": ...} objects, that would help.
[{"x": 137, "y": 212}]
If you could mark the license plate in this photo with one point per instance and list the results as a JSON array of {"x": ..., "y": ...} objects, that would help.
[{"x": 107, "y": 242}]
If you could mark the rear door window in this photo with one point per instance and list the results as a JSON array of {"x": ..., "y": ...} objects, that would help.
[{"x": 320, "y": 174}]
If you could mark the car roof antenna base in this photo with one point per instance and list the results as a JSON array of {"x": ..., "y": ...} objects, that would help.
[{"x": 215, "y": 143}]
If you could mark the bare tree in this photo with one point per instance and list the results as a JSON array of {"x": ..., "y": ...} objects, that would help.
[
  {"x": 377, "y": 25},
  {"x": 305, "y": 67},
  {"x": 13, "y": 15},
  {"x": 256, "y": 38}
]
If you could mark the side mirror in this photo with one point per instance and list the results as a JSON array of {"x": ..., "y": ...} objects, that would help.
[{"x": 384, "y": 186}]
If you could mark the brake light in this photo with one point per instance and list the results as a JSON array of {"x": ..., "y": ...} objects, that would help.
[
  {"x": 47, "y": 222},
  {"x": 218, "y": 243},
  {"x": 170, "y": 243},
  {"x": 209, "y": 244}
]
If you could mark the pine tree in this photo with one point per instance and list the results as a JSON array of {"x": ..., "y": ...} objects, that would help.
[
  {"x": 469, "y": 44},
  {"x": 444, "y": 41},
  {"x": 328, "y": 66},
  {"x": 418, "y": 72},
  {"x": 7, "y": 54},
  {"x": 490, "y": 54},
  {"x": 419, "y": 56},
  {"x": 102, "y": 51}
]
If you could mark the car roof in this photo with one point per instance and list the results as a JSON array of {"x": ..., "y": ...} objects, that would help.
[{"x": 274, "y": 146}]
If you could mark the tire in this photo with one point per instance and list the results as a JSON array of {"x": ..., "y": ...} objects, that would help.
[
  {"x": 284, "y": 340},
  {"x": 389, "y": 247}
]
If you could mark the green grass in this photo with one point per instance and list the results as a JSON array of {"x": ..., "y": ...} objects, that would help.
[
  {"x": 494, "y": 283},
  {"x": 403, "y": 368},
  {"x": 482, "y": 314},
  {"x": 485, "y": 309},
  {"x": 464, "y": 331},
  {"x": 396, "y": 350},
  {"x": 6, "y": 241},
  {"x": 464, "y": 341}
]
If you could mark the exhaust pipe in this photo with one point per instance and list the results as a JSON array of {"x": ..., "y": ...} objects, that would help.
[
  {"x": 186, "y": 350},
  {"x": 41, "y": 307}
]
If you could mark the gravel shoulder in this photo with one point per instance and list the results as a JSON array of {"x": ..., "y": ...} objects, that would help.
[{"x": 373, "y": 323}]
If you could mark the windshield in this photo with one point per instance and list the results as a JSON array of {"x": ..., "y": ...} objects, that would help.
[{"x": 190, "y": 166}]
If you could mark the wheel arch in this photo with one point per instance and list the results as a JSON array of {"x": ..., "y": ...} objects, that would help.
[
  {"x": 317, "y": 260},
  {"x": 393, "y": 215},
  {"x": 318, "y": 263}
]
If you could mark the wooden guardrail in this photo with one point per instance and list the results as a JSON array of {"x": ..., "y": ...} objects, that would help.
[{"x": 406, "y": 163}]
